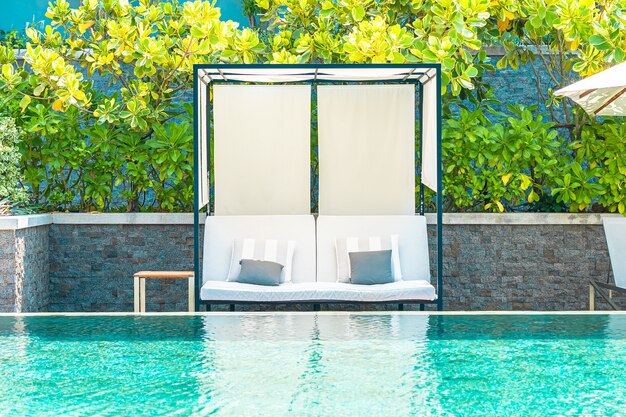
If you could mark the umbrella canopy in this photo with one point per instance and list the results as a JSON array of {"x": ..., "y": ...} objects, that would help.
[{"x": 602, "y": 94}]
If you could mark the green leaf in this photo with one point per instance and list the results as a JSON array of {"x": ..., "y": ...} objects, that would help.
[
  {"x": 600, "y": 42},
  {"x": 358, "y": 13},
  {"x": 24, "y": 102},
  {"x": 39, "y": 89},
  {"x": 533, "y": 197}
]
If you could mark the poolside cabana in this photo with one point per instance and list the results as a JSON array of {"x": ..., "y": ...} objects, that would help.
[{"x": 374, "y": 135}]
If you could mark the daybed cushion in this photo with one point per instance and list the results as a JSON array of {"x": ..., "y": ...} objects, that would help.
[
  {"x": 321, "y": 291},
  {"x": 259, "y": 272},
  {"x": 413, "y": 242},
  {"x": 343, "y": 247},
  {"x": 220, "y": 233},
  {"x": 262, "y": 250}
]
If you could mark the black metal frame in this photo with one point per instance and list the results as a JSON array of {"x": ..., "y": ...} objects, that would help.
[
  {"x": 317, "y": 303},
  {"x": 417, "y": 83}
]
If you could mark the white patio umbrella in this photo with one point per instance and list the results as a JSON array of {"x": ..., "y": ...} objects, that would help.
[{"x": 602, "y": 94}]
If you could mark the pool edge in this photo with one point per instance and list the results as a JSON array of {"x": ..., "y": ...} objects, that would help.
[{"x": 322, "y": 313}]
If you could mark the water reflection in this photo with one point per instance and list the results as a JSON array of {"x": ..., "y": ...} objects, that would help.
[{"x": 313, "y": 365}]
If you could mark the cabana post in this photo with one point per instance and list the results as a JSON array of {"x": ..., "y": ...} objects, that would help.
[
  {"x": 196, "y": 196},
  {"x": 439, "y": 198},
  {"x": 207, "y": 75},
  {"x": 420, "y": 100}
]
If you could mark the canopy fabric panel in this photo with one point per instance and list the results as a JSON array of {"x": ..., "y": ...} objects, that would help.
[
  {"x": 204, "y": 194},
  {"x": 262, "y": 149},
  {"x": 602, "y": 94},
  {"x": 366, "y": 149},
  {"x": 430, "y": 117}
]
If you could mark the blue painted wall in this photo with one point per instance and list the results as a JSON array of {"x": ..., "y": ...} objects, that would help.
[{"x": 16, "y": 14}]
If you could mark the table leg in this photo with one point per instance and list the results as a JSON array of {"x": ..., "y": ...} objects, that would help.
[
  {"x": 192, "y": 294},
  {"x": 142, "y": 286},
  {"x": 136, "y": 294}
]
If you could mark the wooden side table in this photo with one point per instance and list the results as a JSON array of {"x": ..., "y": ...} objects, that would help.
[{"x": 140, "y": 286}]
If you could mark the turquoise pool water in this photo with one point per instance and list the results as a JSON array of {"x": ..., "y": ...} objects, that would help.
[{"x": 314, "y": 365}]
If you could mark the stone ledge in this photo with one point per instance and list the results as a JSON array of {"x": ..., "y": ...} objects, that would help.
[
  {"x": 448, "y": 218},
  {"x": 124, "y": 218},
  {"x": 25, "y": 221},
  {"x": 521, "y": 218}
]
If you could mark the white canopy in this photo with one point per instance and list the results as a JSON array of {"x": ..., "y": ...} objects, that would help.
[
  {"x": 262, "y": 149},
  {"x": 261, "y": 163},
  {"x": 271, "y": 74},
  {"x": 602, "y": 94},
  {"x": 366, "y": 142},
  {"x": 261, "y": 137}
]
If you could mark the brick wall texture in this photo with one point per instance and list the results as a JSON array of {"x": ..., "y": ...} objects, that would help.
[
  {"x": 7, "y": 271},
  {"x": 92, "y": 266},
  {"x": 522, "y": 267},
  {"x": 24, "y": 264},
  {"x": 88, "y": 268},
  {"x": 487, "y": 267}
]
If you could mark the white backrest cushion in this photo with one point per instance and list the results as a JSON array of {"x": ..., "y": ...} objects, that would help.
[
  {"x": 411, "y": 230},
  {"x": 615, "y": 231},
  {"x": 280, "y": 251},
  {"x": 345, "y": 245},
  {"x": 220, "y": 233}
]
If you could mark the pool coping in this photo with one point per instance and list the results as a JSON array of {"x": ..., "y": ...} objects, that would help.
[
  {"x": 449, "y": 219},
  {"x": 321, "y": 313}
]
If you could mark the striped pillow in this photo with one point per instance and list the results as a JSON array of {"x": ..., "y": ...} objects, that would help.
[
  {"x": 343, "y": 246},
  {"x": 279, "y": 251}
]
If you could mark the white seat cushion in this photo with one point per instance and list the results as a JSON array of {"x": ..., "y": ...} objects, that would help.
[{"x": 415, "y": 290}]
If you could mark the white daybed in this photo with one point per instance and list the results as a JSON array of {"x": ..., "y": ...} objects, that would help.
[
  {"x": 314, "y": 263},
  {"x": 253, "y": 139},
  {"x": 615, "y": 232}
]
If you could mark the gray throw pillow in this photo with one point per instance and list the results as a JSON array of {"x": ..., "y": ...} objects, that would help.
[
  {"x": 259, "y": 272},
  {"x": 372, "y": 267}
]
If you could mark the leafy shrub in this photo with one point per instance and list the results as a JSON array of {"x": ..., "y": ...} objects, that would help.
[
  {"x": 596, "y": 178},
  {"x": 13, "y": 39},
  {"x": 102, "y": 98},
  {"x": 102, "y": 95},
  {"x": 511, "y": 161},
  {"x": 11, "y": 190}
]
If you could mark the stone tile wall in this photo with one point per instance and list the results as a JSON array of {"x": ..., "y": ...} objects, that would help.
[
  {"x": 89, "y": 267},
  {"x": 24, "y": 263},
  {"x": 92, "y": 265},
  {"x": 522, "y": 267},
  {"x": 7, "y": 271},
  {"x": 487, "y": 266}
]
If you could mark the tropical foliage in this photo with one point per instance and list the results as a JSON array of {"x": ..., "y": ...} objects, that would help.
[
  {"x": 102, "y": 93},
  {"x": 101, "y": 96},
  {"x": 11, "y": 179}
]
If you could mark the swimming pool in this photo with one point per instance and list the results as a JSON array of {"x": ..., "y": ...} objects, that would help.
[{"x": 302, "y": 364}]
